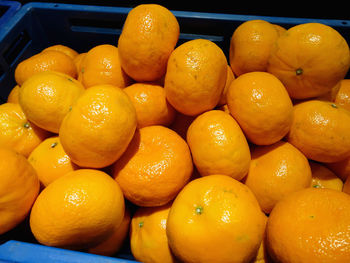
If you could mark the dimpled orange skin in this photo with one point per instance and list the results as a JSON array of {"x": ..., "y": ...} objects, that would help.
[
  {"x": 101, "y": 65},
  {"x": 18, "y": 189},
  {"x": 50, "y": 160},
  {"x": 65, "y": 49},
  {"x": 320, "y": 130},
  {"x": 342, "y": 96},
  {"x": 17, "y": 132},
  {"x": 98, "y": 129},
  {"x": 262, "y": 107},
  {"x": 220, "y": 221},
  {"x": 47, "y": 97},
  {"x": 155, "y": 167},
  {"x": 309, "y": 59},
  {"x": 149, "y": 35},
  {"x": 311, "y": 225},
  {"x": 276, "y": 171},
  {"x": 218, "y": 145},
  {"x": 152, "y": 107},
  {"x": 78, "y": 210},
  {"x": 196, "y": 76},
  {"x": 148, "y": 239},
  {"x": 250, "y": 46},
  {"x": 52, "y": 60},
  {"x": 322, "y": 177}
]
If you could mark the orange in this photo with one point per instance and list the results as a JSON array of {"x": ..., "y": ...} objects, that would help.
[
  {"x": 309, "y": 59},
  {"x": 155, "y": 167},
  {"x": 262, "y": 107},
  {"x": 17, "y": 132},
  {"x": 63, "y": 48},
  {"x": 78, "y": 210},
  {"x": 218, "y": 145},
  {"x": 341, "y": 168},
  {"x": 18, "y": 189},
  {"x": 342, "y": 96},
  {"x": 280, "y": 29},
  {"x": 47, "y": 97},
  {"x": 116, "y": 240},
  {"x": 49, "y": 60},
  {"x": 251, "y": 45},
  {"x": 310, "y": 225},
  {"x": 322, "y": 177},
  {"x": 50, "y": 161},
  {"x": 276, "y": 171},
  {"x": 320, "y": 129},
  {"x": 215, "y": 219},
  {"x": 152, "y": 107},
  {"x": 181, "y": 123},
  {"x": 346, "y": 186},
  {"x": 78, "y": 61},
  {"x": 229, "y": 78},
  {"x": 99, "y": 127},
  {"x": 149, "y": 35},
  {"x": 13, "y": 96},
  {"x": 195, "y": 76},
  {"x": 148, "y": 239},
  {"x": 101, "y": 65}
]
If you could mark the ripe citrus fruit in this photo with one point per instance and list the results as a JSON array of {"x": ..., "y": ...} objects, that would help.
[
  {"x": 262, "y": 107},
  {"x": 320, "y": 129},
  {"x": 47, "y": 97},
  {"x": 101, "y": 65},
  {"x": 49, "y": 60},
  {"x": 229, "y": 78},
  {"x": 346, "y": 186},
  {"x": 215, "y": 219},
  {"x": 155, "y": 166},
  {"x": 251, "y": 45},
  {"x": 78, "y": 210},
  {"x": 322, "y": 177},
  {"x": 115, "y": 241},
  {"x": 195, "y": 76},
  {"x": 99, "y": 127},
  {"x": 152, "y": 107},
  {"x": 310, "y": 59},
  {"x": 218, "y": 145},
  {"x": 149, "y": 35},
  {"x": 18, "y": 189},
  {"x": 13, "y": 95},
  {"x": 310, "y": 225},
  {"x": 181, "y": 123},
  {"x": 148, "y": 239},
  {"x": 341, "y": 168},
  {"x": 342, "y": 96},
  {"x": 50, "y": 161},
  {"x": 275, "y": 171},
  {"x": 17, "y": 132},
  {"x": 63, "y": 48}
]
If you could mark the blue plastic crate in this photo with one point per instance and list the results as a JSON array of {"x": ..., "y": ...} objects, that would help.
[
  {"x": 38, "y": 25},
  {"x": 7, "y": 10}
]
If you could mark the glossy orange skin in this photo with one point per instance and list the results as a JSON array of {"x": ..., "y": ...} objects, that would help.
[
  {"x": 310, "y": 59},
  {"x": 52, "y": 60},
  {"x": 101, "y": 65},
  {"x": 195, "y": 76},
  {"x": 229, "y": 78},
  {"x": 98, "y": 129},
  {"x": 17, "y": 132},
  {"x": 18, "y": 189},
  {"x": 311, "y": 225},
  {"x": 342, "y": 96},
  {"x": 65, "y": 49},
  {"x": 215, "y": 219},
  {"x": 155, "y": 167},
  {"x": 152, "y": 107},
  {"x": 262, "y": 107},
  {"x": 13, "y": 95},
  {"x": 276, "y": 171},
  {"x": 322, "y": 177},
  {"x": 50, "y": 161},
  {"x": 150, "y": 33},
  {"x": 78, "y": 211},
  {"x": 251, "y": 45},
  {"x": 320, "y": 129},
  {"x": 148, "y": 239},
  {"x": 218, "y": 145}
]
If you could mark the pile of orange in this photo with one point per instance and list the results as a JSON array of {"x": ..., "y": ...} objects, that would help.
[{"x": 179, "y": 152}]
